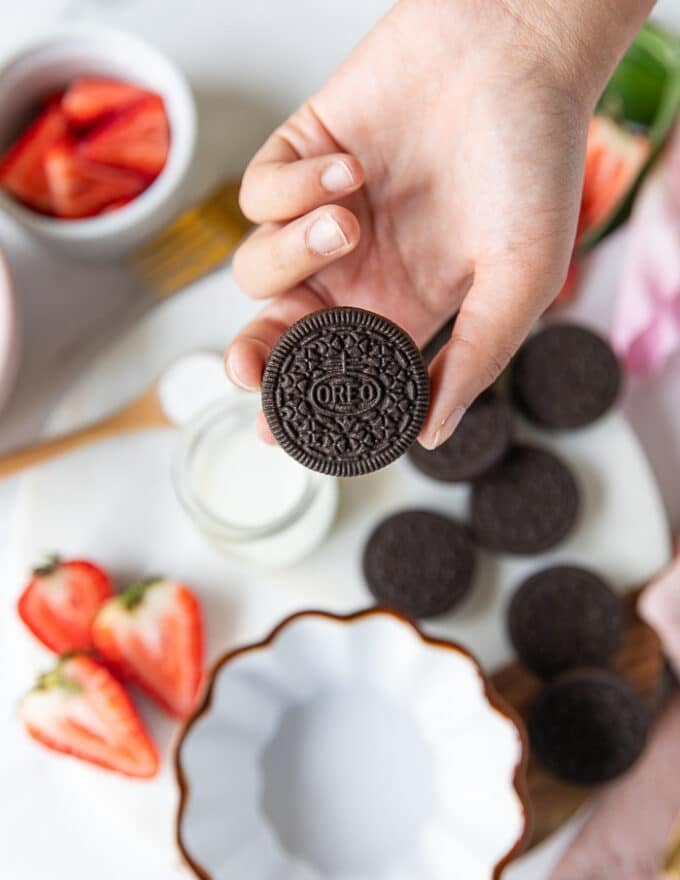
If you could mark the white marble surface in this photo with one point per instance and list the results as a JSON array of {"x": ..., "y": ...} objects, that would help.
[{"x": 250, "y": 64}]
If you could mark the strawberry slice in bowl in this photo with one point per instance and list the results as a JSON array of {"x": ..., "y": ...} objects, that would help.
[
  {"x": 152, "y": 634},
  {"x": 81, "y": 188},
  {"x": 136, "y": 139},
  {"x": 22, "y": 168},
  {"x": 90, "y": 99},
  {"x": 61, "y": 601},
  {"x": 80, "y": 709},
  {"x": 98, "y": 74}
]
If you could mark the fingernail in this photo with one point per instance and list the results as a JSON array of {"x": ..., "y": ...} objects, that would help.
[
  {"x": 337, "y": 177},
  {"x": 325, "y": 237},
  {"x": 232, "y": 373},
  {"x": 445, "y": 429}
]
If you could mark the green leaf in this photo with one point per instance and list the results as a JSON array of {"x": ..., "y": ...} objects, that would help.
[
  {"x": 57, "y": 678},
  {"x": 133, "y": 595},
  {"x": 49, "y": 566}
]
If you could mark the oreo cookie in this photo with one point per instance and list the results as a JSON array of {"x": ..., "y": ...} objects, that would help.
[
  {"x": 527, "y": 503},
  {"x": 479, "y": 442},
  {"x": 345, "y": 391},
  {"x": 565, "y": 376},
  {"x": 419, "y": 563},
  {"x": 562, "y": 618},
  {"x": 588, "y": 727}
]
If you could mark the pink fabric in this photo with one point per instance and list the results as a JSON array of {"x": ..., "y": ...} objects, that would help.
[
  {"x": 646, "y": 327},
  {"x": 659, "y": 605}
]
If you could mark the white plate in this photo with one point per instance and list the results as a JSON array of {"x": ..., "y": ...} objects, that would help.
[{"x": 115, "y": 503}]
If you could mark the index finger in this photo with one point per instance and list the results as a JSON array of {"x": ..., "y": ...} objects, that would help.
[{"x": 279, "y": 184}]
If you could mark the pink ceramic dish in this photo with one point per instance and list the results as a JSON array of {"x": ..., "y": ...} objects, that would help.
[{"x": 9, "y": 333}]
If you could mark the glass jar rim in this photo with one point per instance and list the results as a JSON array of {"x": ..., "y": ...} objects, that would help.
[{"x": 243, "y": 408}]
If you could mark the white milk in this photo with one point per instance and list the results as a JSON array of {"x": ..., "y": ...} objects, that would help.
[
  {"x": 249, "y": 498},
  {"x": 245, "y": 482}
]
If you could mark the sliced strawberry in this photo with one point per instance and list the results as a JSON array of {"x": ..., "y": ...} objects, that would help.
[
  {"x": 116, "y": 206},
  {"x": 80, "y": 709},
  {"x": 53, "y": 99},
  {"x": 90, "y": 99},
  {"x": 152, "y": 634},
  {"x": 81, "y": 188},
  {"x": 137, "y": 138},
  {"x": 614, "y": 159},
  {"x": 60, "y": 602},
  {"x": 22, "y": 168}
]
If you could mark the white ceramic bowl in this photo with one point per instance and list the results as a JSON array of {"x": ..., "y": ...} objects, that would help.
[
  {"x": 9, "y": 334},
  {"x": 352, "y": 749},
  {"x": 50, "y": 65}
]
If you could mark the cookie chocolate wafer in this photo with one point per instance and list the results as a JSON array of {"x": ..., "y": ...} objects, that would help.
[{"x": 345, "y": 391}]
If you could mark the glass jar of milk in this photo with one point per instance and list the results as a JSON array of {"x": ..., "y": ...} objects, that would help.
[{"x": 249, "y": 498}]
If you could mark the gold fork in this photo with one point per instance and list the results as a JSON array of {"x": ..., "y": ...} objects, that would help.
[{"x": 197, "y": 242}]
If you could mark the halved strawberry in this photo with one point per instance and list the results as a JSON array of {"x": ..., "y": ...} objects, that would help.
[
  {"x": 80, "y": 709},
  {"x": 90, "y": 99},
  {"x": 60, "y": 602},
  {"x": 152, "y": 634},
  {"x": 22, "y": 168},
  {"x": 137, "y": 138},
  {"x": 81, "y": 188},
  {"x": 116, "y": 206},
  {"x": 613, "y": 161}
]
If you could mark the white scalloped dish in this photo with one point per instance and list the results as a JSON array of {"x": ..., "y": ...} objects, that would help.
[{"x": 350, "y": 748}]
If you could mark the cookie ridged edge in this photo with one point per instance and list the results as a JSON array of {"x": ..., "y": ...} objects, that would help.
[{"x": 356, "y": 318}]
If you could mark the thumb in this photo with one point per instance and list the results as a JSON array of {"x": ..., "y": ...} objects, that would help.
[{"x": 488, "y": 330}]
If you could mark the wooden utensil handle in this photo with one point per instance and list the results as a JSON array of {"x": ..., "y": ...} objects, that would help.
[{"x": 142, "y": 414}]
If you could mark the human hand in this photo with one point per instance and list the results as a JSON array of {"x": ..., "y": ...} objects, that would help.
[{"x": 439, "y": 170}]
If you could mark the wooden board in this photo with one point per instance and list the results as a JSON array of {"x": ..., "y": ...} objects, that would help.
[{"x": 639, "y": 661}]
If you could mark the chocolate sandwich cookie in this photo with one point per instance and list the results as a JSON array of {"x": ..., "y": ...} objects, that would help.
[
  {"x": 564, "y": 617},
  {"x": 419, "y": 563},
  {"x": 527, "y": 503},
  {"x": 480, "y": 440},
  {"x": 345, "y": 391},
  {"x": 565, "y": 376},
  {"x": 588, "y": 727}
]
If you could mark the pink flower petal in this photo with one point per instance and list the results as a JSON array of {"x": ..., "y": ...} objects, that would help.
[
  {"x": 646, "y": 327},
  {"x": 659, "y": 606}
]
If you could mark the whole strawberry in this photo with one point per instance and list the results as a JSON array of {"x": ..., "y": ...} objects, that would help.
[
  {"x": 60, "y": 602},
  {"x": 152, "y": 634}
]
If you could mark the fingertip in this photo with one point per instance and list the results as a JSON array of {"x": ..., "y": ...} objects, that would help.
[
  {"x": 451, "y": 395},
  {"x": 263, "y": 430},
  {"x": 343, "y": 173},
  {"x": 243, "y": 202},
  {"x": 244, "y": 362},
  {"x": 332, "y": 231},
  {"x": 438, "y": 432},
  {"x": 348, "y": 223}
]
